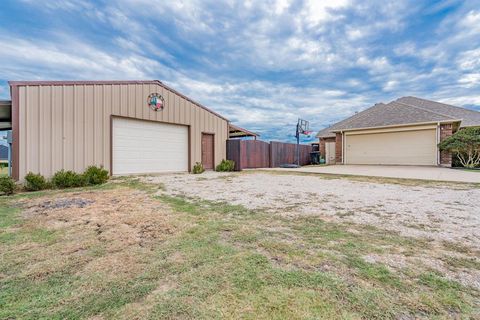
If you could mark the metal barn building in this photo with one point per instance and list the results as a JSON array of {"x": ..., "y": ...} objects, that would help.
[{"x": 128, "y": 127}]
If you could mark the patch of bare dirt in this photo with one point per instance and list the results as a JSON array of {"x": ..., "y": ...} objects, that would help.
[{"x": 104, "y": 232}]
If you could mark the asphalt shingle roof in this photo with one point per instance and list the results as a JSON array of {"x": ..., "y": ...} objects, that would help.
[
  {"x": 327, "y": 132},
  {"x": 406, "y": 110},
  {"x": 469, "y": 117}
]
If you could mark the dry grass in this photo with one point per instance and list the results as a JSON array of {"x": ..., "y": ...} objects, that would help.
[
  {"x": 3, "y": 171},
  {"x": 122, "y": 252},
  {"x": 88, "y": 249}
]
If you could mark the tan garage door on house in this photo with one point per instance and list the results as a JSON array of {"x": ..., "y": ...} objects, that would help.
[
  {"x": 148, "y": 147},
  {"x": 407, "y": 147}
]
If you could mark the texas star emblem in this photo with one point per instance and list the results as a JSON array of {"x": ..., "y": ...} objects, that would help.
[{"x": 155, "y": 101}]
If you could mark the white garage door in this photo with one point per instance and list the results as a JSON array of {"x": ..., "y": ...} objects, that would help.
[
  {"x": 416, "y": 147},
  {"x": 148, "y": 147}
]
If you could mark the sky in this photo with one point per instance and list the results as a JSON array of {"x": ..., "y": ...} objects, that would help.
[{"x": 261, "y": 64}]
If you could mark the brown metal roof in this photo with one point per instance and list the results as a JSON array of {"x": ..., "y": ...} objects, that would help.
[
  {"x": 404, "y": 111},
  {"x": 100, "y": 82},
  {"x": 237, "y": 132}
]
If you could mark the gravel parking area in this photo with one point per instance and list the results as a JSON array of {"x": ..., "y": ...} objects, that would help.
[{"x": 421, "y": 210}]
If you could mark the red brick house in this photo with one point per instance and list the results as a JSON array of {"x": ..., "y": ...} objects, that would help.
[{"x": 402, "y": 132}]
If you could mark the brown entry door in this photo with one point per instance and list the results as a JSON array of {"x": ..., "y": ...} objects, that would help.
[{"x": 207, "y": 151}]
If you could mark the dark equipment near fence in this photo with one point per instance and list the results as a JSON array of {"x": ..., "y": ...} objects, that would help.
[{"x": 315, "y": 157}]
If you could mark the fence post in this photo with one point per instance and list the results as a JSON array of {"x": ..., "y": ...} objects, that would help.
[
  {"x": 234, "y": 153},
  {"x": 270, "y": 150},
  {"x": 241, "y": 155}
]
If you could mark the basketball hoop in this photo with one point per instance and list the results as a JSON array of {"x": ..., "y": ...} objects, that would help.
[{"x": 302, "y": 128}]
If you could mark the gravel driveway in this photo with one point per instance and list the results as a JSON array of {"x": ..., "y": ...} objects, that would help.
[{"x": 436, "y": 212}]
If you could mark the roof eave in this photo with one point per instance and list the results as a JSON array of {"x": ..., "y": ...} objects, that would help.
[
  {"x": 325, "y": 136},
  {"x": 399, "y": 125},
  {"x": 470, "y": 125}
]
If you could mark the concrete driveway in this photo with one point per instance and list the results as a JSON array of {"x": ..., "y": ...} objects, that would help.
[{"x": 402, "y": 172}]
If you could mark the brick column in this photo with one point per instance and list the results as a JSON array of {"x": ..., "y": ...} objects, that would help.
[
  {"x": 321, "y": 145},
  {"x": 338, "y": 148},
  {"x": 446, "y": 130}
]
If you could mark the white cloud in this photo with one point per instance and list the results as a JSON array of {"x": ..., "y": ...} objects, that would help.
[
  {"x": 465, "y": 99},
  {"x": 253, "y": 104},
  {"x": 355, "y": 33},
  {"x": 406, "y": 49},
  {"x": 316, "y": 12},
  {"x": 469, "y": 60},
  {"x": 470, "y": 80},
  {"x": 470, "y": 23},
  {"x": 281, "y": 6},
  {"x": 71, "y": 58},
  {"x": 391, "y": 85},
  {"x": 377, "y": 65},
  {"x": 68, "y": 5}
]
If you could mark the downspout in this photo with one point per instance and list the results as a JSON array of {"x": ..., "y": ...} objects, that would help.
[
  {"x": 343, "y": 147},
  {"x": 437, "y": 142}
]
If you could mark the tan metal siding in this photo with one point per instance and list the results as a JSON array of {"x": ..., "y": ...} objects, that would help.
[
  {"x": 22, "y": 123},
  {"x": 88, "y": 127},
  {"x": 58, "y": 127},
  {"x": 67, "y": 126}
]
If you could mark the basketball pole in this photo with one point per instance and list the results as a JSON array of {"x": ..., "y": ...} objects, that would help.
[{"x": 297, "y": 148}]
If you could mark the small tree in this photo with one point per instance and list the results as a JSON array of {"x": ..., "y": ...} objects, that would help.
[{"x": 465, "y": 144}]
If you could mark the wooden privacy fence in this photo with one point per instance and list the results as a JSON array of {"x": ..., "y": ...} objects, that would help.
[{"x": 249, "y": 154}]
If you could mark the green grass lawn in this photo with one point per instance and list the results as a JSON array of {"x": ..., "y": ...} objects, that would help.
[{"x": 210, "y": 260}]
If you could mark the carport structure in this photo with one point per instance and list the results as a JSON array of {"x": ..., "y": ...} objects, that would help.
[
  {"x": 5, "y": 115},
  {"x": 237, "y": 132},
  {"x": 6, "y": 125}
]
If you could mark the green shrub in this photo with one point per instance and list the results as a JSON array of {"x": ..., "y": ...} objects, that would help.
[
  {"x": 226, "y": 166},
  {"x": 7, "y": 185},
  {"x": 198, "y": 168},
  {"x": 67, "y": 179},
  {"x": 35, "y": 182},
  {"x": 95, "y": 175},
  {"x": 465, "y": 144}
]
